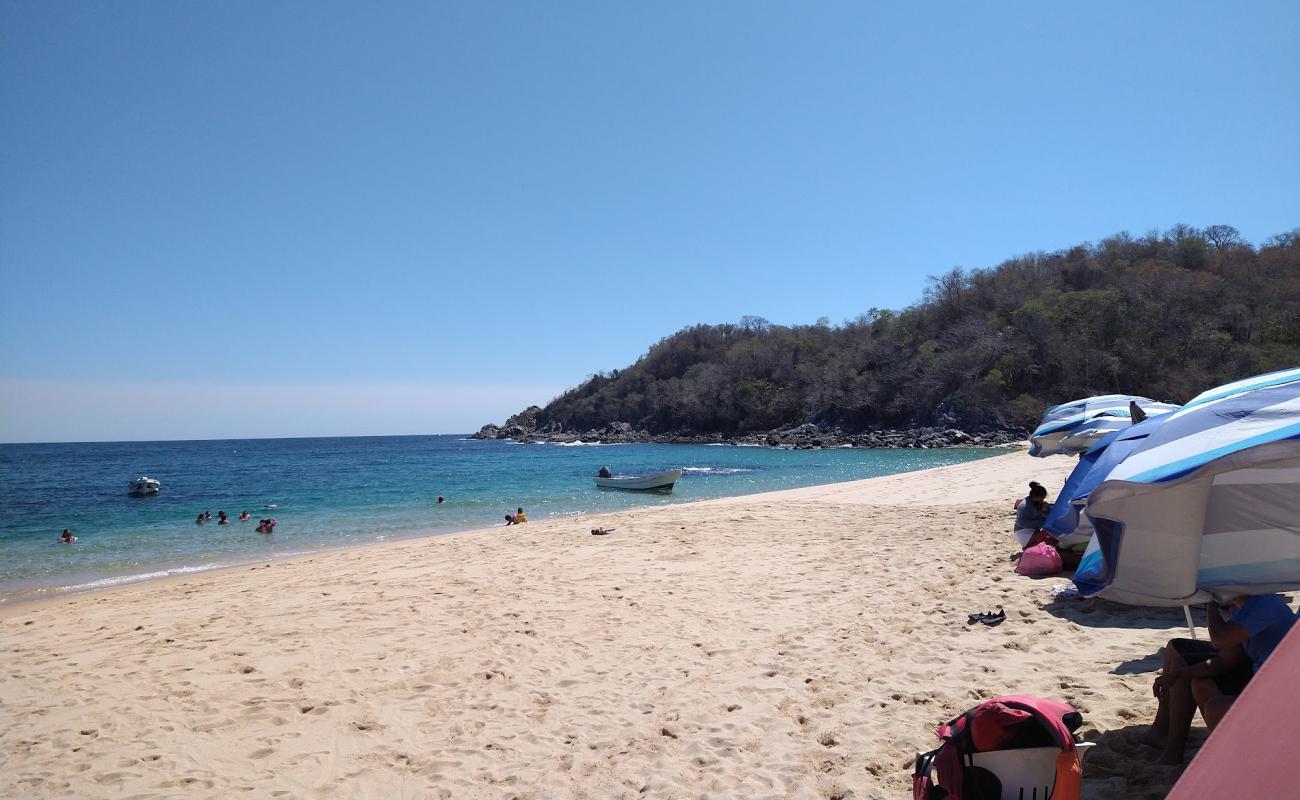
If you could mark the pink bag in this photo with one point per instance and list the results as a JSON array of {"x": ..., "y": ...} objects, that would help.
[{"x": 1041, "y": 559}]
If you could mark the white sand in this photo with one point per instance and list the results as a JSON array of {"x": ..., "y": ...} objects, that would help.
[{"x": 795, "y": 644}]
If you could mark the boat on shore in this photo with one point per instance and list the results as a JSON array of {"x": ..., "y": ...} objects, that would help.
[
  {"x": 659, "y": 482},
  {"x": 143, "y": 487}
]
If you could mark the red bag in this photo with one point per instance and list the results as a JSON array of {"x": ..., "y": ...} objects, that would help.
[{"x": 1041, "y": 559}]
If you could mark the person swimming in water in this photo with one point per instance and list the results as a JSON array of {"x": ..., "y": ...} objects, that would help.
[
  {"x": 441, "y": 499},
  {"x": 67, "y": 537},
  {"x": 200, "y": 520},
  {"x": 244, "y": 516},
  {"x": 222, "y": 519}
]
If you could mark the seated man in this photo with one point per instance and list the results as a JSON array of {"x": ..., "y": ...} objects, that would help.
[{"x": 1211, "y": 674}]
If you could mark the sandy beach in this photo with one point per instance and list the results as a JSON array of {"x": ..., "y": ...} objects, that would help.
[{"x": 796, "y": 644}]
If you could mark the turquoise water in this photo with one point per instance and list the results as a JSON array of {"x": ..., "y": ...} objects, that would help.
[{"x": 344, "y": 491}]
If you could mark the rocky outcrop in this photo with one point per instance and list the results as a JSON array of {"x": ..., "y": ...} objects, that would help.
[
  {"x": 524, "y": 427},
  {"x": 521, "y": 427}
]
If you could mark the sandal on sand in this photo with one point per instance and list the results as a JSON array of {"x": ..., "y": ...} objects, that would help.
[
  {"x": 602, "y": 531},
  {"x": 974, "y": 618},
  {"x": 992, "y": 620}
]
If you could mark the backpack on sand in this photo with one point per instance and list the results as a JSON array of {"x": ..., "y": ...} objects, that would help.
[
  {"x": 1041, "y": 559},
  {"x": 1011, "y": 747}
]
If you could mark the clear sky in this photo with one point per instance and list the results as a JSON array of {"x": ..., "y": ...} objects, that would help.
[{"x": 324, "y": 218}]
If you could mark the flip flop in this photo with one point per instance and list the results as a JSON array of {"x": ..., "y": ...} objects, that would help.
[
  {"x": 993, "y": 620},
  {"x": 602, "y": 531},
  {"x": 974, "y": 618}
]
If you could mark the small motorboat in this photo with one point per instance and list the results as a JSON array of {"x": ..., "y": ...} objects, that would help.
[
  {"x": 659, "y": 482},
  {"x": 143, "y": 487}
]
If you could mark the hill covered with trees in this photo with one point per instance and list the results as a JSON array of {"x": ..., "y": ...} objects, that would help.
[{"x": 1165, "y": 315}]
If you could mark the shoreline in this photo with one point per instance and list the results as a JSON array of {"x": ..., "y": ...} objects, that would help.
[
  {"x": 41, "y": 594},
  {"x": 18, "y": 605},
  {"x": 798, "y": 643},
  {"x": 523, "y": 429}
]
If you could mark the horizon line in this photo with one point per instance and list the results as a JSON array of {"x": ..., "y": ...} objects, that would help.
[{"x": 243, "y": 438}]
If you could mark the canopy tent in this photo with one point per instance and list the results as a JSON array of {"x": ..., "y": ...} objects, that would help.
[
  {"x": 1066, "y": 521},
  {"x": 1207, "y": 505},
  {"x": 1076, "y": 426}
]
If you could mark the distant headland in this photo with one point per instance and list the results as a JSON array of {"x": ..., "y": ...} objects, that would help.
[{"x": 974, "y": 363}]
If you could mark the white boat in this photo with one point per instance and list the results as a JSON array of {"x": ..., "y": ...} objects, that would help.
[
  {"x": 662, "y": 481},
  {"x": 143, "y": 487}
]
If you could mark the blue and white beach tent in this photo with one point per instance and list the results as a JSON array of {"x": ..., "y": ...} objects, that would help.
[
  {"x": 1207, "y": 506},
  {"x": 1066, "y": 521},
  {"x": 1076, "y": 426}
]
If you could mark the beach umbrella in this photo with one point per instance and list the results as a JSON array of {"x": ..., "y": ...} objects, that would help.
[
  {"x": 1066, "y": 521},
  {"x": 1074, "y": 427},
  {"x": 1207, "y": 505}
]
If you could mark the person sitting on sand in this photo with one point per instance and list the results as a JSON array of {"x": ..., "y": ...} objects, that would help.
[
  {"x": 67, "y": 537},
  {"x": 510, "y": 519},
  {"x": 1210, "y": 675},
  {"x": 244, "y": 516},
  {"x": 1031, "y": 515},
  {"x": 520, "y": 519}
]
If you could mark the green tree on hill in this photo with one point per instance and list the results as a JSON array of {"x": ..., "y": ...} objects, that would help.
[{"x": 1163, "y": 315}]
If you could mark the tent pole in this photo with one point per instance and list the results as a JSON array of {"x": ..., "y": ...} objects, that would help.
[{"x": 1187, "y": 612}]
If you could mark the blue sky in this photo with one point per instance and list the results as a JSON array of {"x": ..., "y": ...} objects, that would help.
[{"x": 319, "y": 218}]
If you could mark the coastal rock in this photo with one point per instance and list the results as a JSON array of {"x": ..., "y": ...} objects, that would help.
[
  {"x": 488, "y": 431},
  {"x": 525, "y": 420},
  {"x": 527, "y": 427},
  {"x": 521, "y": 427}
]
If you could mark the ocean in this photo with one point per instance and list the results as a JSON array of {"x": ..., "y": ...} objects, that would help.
[{"x": 335, "y": 492}]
